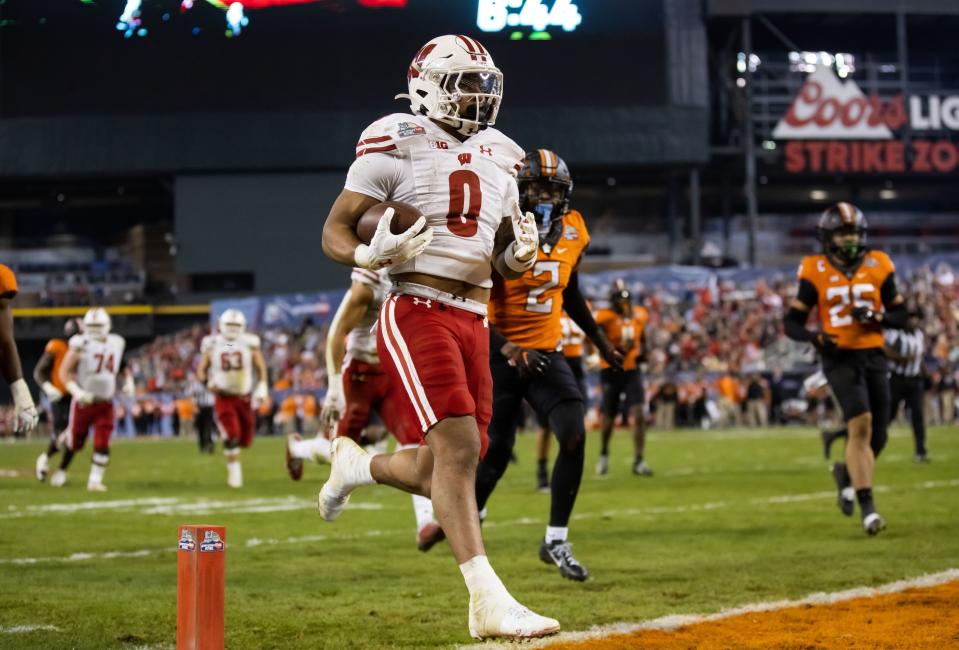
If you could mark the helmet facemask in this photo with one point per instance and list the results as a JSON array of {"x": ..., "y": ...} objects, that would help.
[
  {"x": 849, "y": 250},
  {"x": 469, "y": 99},
  {"x": 547, "y": 199}
]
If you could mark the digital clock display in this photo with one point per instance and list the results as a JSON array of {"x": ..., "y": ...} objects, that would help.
[{"x": 535, "y": 15}]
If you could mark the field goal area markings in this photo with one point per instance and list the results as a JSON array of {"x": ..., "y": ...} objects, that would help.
[{"x": 672, "y": 622}]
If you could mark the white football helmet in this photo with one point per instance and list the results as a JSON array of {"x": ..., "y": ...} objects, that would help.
[
  {"x": 448, "y": 70},
  {"x": 96, "y": 323},
  {"x": 232, "y": 323}
]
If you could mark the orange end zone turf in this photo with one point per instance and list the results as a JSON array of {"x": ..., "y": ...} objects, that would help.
[
  {"x": 201, "y": 558},
  {"x": 925, "y": 618}
]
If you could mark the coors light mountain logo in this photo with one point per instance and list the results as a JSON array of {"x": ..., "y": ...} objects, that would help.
[
  {"x": 834, "y": 127},
  {"x": 829, "y": 108}
]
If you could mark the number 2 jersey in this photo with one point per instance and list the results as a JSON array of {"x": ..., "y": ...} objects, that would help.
[
  {"x": 464, "y": 189},
  {"x": 528, "y": 309},
  {"x": 99, "y": 363},
  {"x": 231, "y": 362},
  {"x": 871, "y": 284}
]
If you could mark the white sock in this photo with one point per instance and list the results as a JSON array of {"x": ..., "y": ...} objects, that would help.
[
  {"x": 315, "y": 449},
  {"x": 556, "y": 533},
  {"x": 423, "y": 509},
  {"x": 301, "y": 449},
  {"x": 319, "y": 449},
  {"x": 98, "y": 467},
  {"x": 480, "y": 577},
  {"x": 233, "y": 470},
  {"x": 96, "y": 473},
  {"x": 849, "y": 493}
]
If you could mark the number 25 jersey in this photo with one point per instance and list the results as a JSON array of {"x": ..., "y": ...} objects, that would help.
[
  {"x": 836, "y": 294},
  {"x": 464, "y": 189},
  {"x": 528, "y": 309}
]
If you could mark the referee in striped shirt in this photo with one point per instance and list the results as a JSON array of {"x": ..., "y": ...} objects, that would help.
[{"x": 905, "y": 349}]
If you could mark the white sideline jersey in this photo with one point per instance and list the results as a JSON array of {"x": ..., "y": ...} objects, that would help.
[
  {"x": 361, "y": 341},
  {"x": 99, "y": 364},
  {"x": 231, "y": 362},
  {"x": 464, "y": 189}
]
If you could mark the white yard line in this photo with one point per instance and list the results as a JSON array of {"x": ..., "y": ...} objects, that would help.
[
  {"x": 176, "y": 506},
  {"x": 24, "y": 629},
  {"x": 675, "y": 621}
]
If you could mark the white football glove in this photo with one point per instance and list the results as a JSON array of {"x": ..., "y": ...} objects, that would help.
[
  {"x": 53, "y": 393},
  {"x": 387, "y": 249},
  {"x": 25, "y": 412},
  {"x": 80, "y": 396},
  {"x": 334, "y": 404},
  {"x": 261, "y": 393},
  {"x": 522, "y": 252}
]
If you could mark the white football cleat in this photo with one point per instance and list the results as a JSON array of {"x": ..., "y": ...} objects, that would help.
[
  {"x": 501, "y": 616},
  {"x": 59, "y": 478},
  {"x": 43, "y": 466},
  {"x": 347, "y": 465},
  {"x": 96, "y": 487}
]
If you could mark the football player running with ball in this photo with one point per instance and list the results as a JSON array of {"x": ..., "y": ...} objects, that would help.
[
  {"x": 432, "y": 334},
  {"x": 854, "y": 289},
  {"x": 525, "y": 332}
]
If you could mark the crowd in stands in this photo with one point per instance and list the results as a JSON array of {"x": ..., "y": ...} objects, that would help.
[{"x": 714, "y": 356}]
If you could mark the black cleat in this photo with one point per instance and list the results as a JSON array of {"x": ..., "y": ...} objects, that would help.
[
  {"x": 921, "y": 459},
  {"x": 561, "y": 554},
  {"x": 845, "y": 500},
  {"x": 873, "y": 523}
]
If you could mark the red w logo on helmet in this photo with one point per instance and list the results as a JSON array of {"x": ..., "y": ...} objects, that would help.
[{"x": 417, "y": 64}]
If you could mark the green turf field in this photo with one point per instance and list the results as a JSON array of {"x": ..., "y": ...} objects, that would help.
[{"x": 730, "y": 518}]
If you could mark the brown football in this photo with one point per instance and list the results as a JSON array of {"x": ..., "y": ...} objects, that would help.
[{"x": 404, "y": 216}]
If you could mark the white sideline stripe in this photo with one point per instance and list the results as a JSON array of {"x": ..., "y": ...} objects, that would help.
[
  {"x": 23, "y": 629},
  {"x": 178, "y": 506},
  {"x": 9, "y": 473},
  {"x": 254, "y": 542},
  {"x": 674, "y": 621}
]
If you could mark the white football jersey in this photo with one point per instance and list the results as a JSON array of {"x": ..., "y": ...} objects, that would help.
[
  {"x": 99, "y": 363},
  {"x": 464, "y": 189},
  {"x": 361, "y": 341},
  {"x": 231, "y": 362}
]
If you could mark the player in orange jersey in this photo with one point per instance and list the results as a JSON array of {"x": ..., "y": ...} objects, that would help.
[
  {"x": 854, "y": 291},
  {"x": 25, "y": 412},
  {"x": 525, "y": 361},
  {"x": 623, "y": 325},
  {"x": 47, "y": 375}
]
